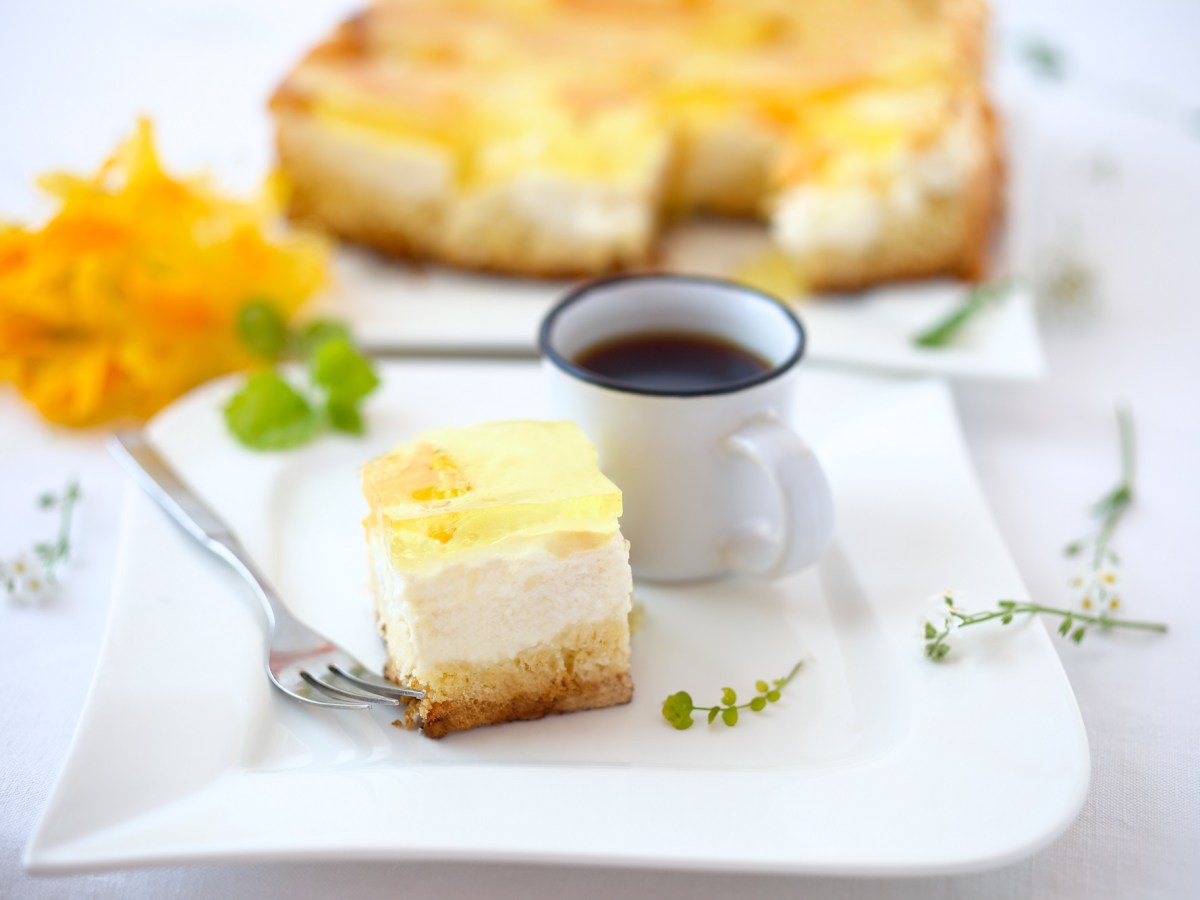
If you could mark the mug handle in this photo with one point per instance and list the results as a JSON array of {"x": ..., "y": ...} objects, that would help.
[{"x": 805, "y": 499}]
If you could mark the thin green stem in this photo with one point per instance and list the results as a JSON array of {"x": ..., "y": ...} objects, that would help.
[
  {"x": 1128, "y": 446},
  {"x": 936, "y": 647},
  {"x": 778, "y": 686},
  {"x": 69, "y": 499},
  {"x": 1111, "y": 508},
  {"x": 786, "y": 680},
  {"x": 981, "y": 296},
  {"x": 1101, "y": 619}
]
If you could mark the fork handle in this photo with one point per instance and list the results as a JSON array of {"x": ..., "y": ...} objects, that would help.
[{"x": 153, "y": 474}]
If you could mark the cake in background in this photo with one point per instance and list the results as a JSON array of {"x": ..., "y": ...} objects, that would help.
[
  {"x": 501, "y": 579},
  {"x": 557, "y": 137}
]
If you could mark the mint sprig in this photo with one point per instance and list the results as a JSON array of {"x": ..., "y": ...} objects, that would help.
[
  {"x": 677, "y": 709},
  {"x": 270, "y": 412}
]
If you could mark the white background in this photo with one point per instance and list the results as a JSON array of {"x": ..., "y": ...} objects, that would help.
[{"x": 1117, "y": 145}]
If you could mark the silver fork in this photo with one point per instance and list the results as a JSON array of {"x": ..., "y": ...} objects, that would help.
[{"x": 300, "y": 662}]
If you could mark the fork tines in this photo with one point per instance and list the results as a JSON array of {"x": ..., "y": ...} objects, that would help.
[{"x": 360, "y": 692}]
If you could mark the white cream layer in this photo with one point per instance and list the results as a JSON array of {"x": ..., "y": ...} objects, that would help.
[
  {"x": 605, "y": 211},
  {"x": 852, "y": 213},
  {"x": 488, "y": 606}
]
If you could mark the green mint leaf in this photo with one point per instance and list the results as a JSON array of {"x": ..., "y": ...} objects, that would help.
[
  {"x": 758, "y": 703},
  {"x": 728, "y": 696},
  {"x": 270, "y": 414},
  {"x": 344, "y": 416},
  {"x": 677, "y": 709},
  {"x": 262, "y": 328},
  {"x": 318, "y": 332},
  {"x": 346, "y": 375},
  {"x": 729, "y": 716}
]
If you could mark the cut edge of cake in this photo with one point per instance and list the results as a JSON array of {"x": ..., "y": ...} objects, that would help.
[{"x": 530, "y": 624}]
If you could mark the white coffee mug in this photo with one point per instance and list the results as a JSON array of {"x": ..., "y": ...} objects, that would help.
[{"x": 714, "y": 481}]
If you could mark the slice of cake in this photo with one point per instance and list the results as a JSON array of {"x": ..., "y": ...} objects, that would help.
[
  {"x": 501, "y": 579},
  {"x": 556, "y": 137}
]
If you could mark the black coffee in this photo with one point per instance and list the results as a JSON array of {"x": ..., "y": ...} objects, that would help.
[{"x": 670, "y": 361}]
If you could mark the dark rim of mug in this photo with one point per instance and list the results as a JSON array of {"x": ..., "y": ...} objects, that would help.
[{"x": 582, "y": 293}]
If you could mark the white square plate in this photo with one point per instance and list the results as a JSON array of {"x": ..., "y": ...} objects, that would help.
[
  {"x": 876, "y": 761},
  {"x": 432, "y": 310}
]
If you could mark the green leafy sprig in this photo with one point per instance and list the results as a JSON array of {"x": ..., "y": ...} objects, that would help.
[
  {"x": 980, "y": 297},
  {"x": 269, "y": 412},
  {"x": 678, "y": 708},
  {"x": 1096, "y": 585},
  {"x": 1075, "y": 623},
  {"x": 31, "y": 576}
]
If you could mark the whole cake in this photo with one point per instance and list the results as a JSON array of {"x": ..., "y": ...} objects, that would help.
[
  {"x": 501, "y": 579},
  {"x": 557, "y": 137}
]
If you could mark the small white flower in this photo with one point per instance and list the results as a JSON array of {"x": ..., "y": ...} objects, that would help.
[
  {"x": 27, "y": 580},
  {"x": 939, "y": 614}
]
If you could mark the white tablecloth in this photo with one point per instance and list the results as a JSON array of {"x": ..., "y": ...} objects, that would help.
[{"x": 1117, "y": 155}]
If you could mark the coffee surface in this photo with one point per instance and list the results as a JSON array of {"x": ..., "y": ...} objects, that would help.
[{"x": 671, "y": 361}]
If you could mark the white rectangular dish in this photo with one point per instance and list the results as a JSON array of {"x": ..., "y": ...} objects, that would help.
[
  {"x": 394, "y": 308},
  {"x": 875, "y": 762}
]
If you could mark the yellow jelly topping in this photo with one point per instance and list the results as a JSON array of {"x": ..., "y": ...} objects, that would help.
[{"x": 458, "y": 488}]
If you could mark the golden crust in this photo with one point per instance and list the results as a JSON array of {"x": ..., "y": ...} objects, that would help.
[
  {"x": 585, "y": 667},
  {"x": 436, "y": 718}
]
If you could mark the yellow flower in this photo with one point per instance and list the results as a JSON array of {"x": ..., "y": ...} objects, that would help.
[{"x": 129, "y": 295}]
